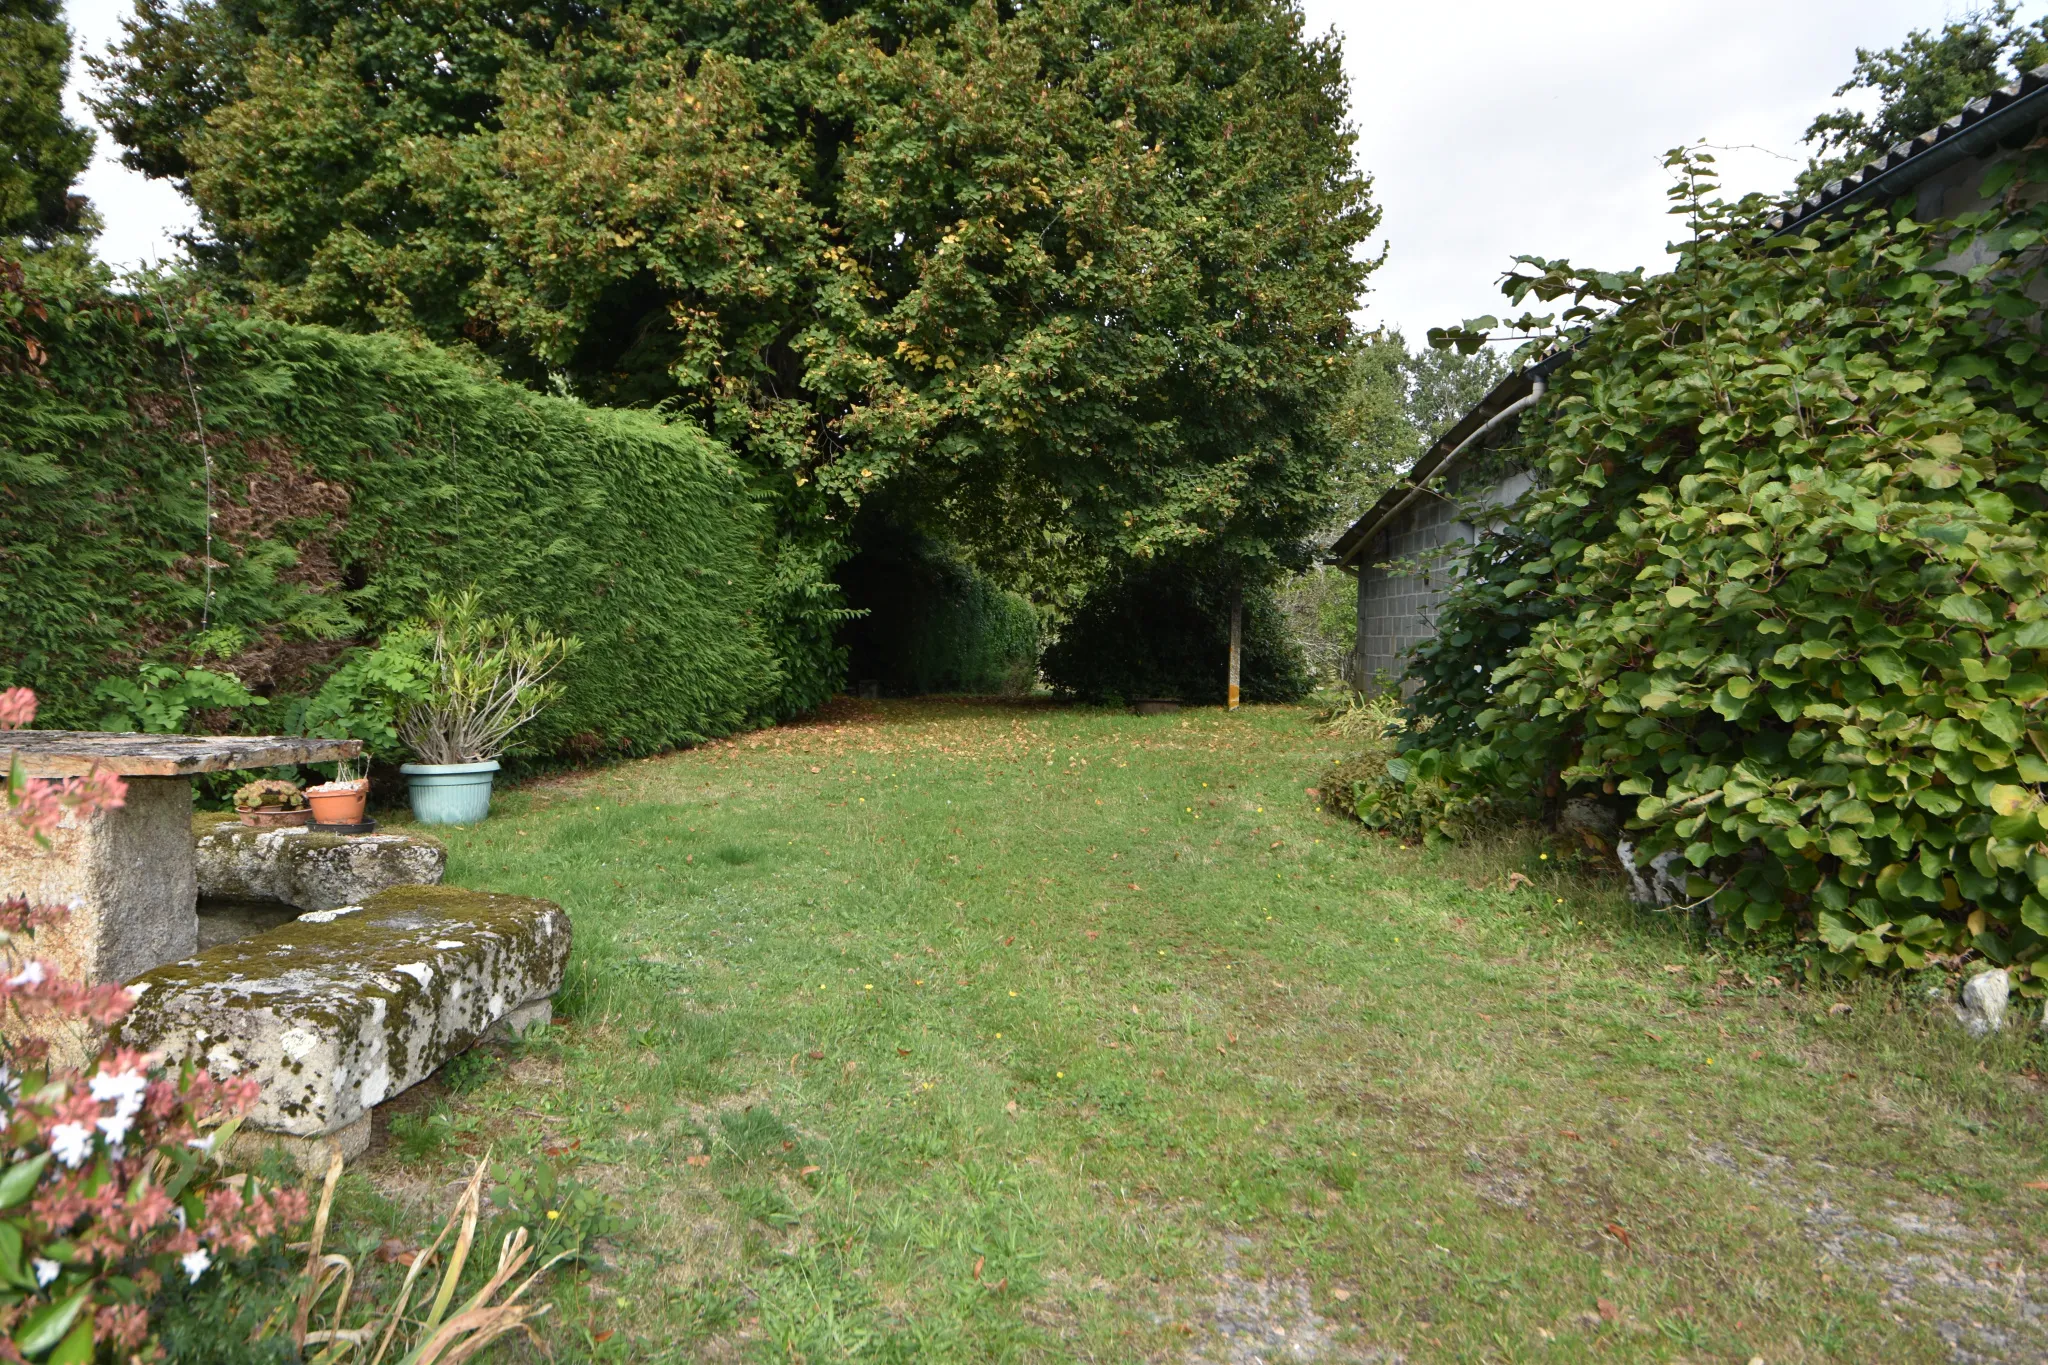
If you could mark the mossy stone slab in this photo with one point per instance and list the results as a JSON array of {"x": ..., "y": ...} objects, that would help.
[
  {"x": 306, "y": 868},
  {"x": 342, "y": 1009}
]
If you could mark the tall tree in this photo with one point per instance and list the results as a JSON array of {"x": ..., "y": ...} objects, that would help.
[
  {"x": 1396, "y": 403},
  {"x": 41, "y": 151},
  {"x": 1921, "y": 82},
  {"x": 1066, "y": 282}
]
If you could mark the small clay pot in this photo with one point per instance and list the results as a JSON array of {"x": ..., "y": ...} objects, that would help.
[
  {"x": 275, "y": 817},
  {"x": 339, "y": 803}
]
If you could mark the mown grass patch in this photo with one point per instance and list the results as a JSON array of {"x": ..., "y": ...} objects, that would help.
[{"x": 953, "y": 1031}]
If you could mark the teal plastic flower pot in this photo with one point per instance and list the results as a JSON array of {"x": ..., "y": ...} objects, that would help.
[{"x": 449, "y": 793}]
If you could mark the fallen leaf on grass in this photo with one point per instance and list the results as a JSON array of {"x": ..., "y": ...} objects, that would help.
[
  {"x": 1010, "y": 1108},
  {"x": 809, "y": 1170},
  {"x": 1008, "y": 941},
  {"x": 1571, "y": 1134},
  {"x": 1094, "y": 934},
  {"x": 1840, "y": 1007},
  {"x": 1608, "y": 1312},
  {"x": 817, "y": 1056},
  {"x": 979, "y": 1262},
  {"x": 902, "y": 1052},
  {"x": 1340, "y": 1294},
  {"x": 1620, "y": 1234},
  {"x": 606, "y": 1335},
  {"x": 1516, "y": 879},
  {"x": 697, "y": 1160},
  {"x": 1673, "y": 967},
  {"x": 1134, "y": 886},
  {"x": 1275, "y": 843},
  {"x": 2037, "y": 1184}
]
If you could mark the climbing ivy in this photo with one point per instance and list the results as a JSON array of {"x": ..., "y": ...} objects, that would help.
[{"x": 1782, "y": 596}]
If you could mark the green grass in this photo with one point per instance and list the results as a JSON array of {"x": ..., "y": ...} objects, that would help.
[{"x": 1018, "y": 1033}]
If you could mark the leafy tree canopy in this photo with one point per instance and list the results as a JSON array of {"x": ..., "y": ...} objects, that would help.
[
  {"x": 41, "y": 151},
  {"x": 1070, "y": 280},
  {"x": 1396, "y": 402},
  {"x": 1921, "y": 82}
]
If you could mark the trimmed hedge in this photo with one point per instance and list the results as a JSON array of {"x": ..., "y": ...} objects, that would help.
[
  {"x": 352, "y": 476},
  {"x": 933, "y": 624},
  {"x": 1163, "y": 630}
]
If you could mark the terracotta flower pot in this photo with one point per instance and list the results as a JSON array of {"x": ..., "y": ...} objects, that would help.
[
  {"x": 339, "y": 803},
  {"x": 275, "y": 817}
]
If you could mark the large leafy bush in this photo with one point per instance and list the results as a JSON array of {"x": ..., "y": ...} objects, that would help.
[
  {"x": 1783, "y": 596},
  {"x": 352, "y": 478}
]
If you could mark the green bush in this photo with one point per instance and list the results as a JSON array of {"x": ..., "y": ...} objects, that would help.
[
  {"x": 351, "y": 478},
  {"x": 1784, "y": 588},
  {"x": 1163, "y": 630},
  {"x": 930, "y": 623}
]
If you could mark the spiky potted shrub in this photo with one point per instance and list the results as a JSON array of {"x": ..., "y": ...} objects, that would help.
[{"x": 490, "y": 677}]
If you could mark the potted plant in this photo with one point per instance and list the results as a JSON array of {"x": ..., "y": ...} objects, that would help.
[
  {"x": 342, "y": 801},
  {"x": 271, "y": 802},
  {"x": 488, "y": 676}
]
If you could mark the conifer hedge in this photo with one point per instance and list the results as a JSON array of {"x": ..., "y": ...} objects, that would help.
[{"x": 350, "y": 477}]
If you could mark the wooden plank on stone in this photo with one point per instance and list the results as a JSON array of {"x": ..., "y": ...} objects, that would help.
[{"x": 71, "y": 753}]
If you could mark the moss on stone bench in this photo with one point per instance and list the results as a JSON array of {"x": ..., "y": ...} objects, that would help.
[
  {"x": 306, "y": 868},
  {"x": 342, "y": 1009}
]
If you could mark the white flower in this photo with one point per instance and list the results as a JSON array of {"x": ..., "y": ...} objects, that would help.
[
  {"x": 195, "y": 1263},
  {"x": 46, "y": 1271},
  {"x": 127, "y": 1090},
  {"x": 72, "y": 1142},
  {"x": 116, "y": 1127},
  {"x": 201, "y": 1144},
  {"x": 31, "y": 975}
]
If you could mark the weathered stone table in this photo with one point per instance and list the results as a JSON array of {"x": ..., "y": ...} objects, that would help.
[{"x": 128, "y": 874}]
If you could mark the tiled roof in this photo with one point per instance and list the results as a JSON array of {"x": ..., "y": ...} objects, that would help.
[
  {"x": 1510, "y": 390},
  {"x": 1982, "y": 123}
]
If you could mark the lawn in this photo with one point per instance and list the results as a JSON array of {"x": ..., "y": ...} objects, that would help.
[{"x": 954, "y": 1031}]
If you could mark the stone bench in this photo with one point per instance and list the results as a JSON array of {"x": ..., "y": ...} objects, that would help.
[
  {"x": 307, "y": 869},
  {"x": 343, "y": 1008}
]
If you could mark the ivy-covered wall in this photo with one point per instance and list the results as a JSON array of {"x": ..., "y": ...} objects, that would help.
[
  {"x": 1782, "y": 597},
  {"x": 350, "y": 477}
]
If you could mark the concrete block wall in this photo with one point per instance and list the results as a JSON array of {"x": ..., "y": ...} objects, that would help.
[{"x": 1397, "y": 605}]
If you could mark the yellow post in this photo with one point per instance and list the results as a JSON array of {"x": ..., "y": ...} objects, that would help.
[{"x": 1236, "y": 639}]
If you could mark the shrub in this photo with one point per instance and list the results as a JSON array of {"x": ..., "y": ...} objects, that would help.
[
  {"x": 113, "y": 1190},
  {"x": 1163, "y": 630},
  {"x": 1784, "y": 587},
  {"x": 346, "y": 479},
  {"x": 490, "y": 678},
  {"x": 933, "y": 624}
]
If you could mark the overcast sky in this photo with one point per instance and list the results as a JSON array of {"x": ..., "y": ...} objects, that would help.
[{"x": 1490, "y": 128}]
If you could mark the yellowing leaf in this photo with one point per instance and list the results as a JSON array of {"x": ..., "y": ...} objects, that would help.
[{"x": 2009, "y": 800}]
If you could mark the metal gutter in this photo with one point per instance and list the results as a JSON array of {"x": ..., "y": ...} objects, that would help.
[{"x": 1508, "y": 398}]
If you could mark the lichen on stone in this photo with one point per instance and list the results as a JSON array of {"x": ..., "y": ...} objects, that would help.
[
  {"x": 385, "y": 994},
  {"x": 308, "y": 869}
]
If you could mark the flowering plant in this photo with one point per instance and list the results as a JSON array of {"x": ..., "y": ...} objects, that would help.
[{"x": 109, "y": 1181}]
